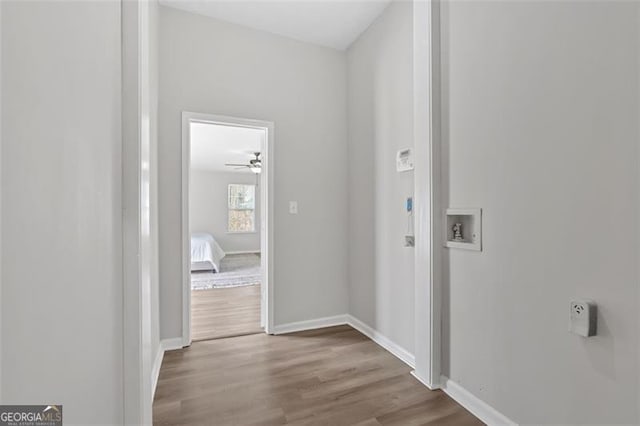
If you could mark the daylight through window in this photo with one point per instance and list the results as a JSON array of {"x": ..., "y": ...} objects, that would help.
[{"x": 242, "y": 208}]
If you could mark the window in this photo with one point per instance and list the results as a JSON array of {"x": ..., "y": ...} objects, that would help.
[{"x": 242, "y": 208}]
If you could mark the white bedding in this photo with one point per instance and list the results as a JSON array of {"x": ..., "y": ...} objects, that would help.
[{"x": 206, "y": 253}]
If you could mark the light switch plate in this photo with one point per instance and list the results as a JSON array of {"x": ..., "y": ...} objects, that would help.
[{"x": 583, "y": 315}]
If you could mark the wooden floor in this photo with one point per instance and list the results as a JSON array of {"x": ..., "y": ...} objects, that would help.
[
  {"x": 333, "y": 376},
  {"x": 224, "y": 312}
]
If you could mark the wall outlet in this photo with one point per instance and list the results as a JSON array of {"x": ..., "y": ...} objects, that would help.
[{"x": 583, "y": 316}]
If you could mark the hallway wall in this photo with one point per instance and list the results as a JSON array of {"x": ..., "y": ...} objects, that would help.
[
  {"x": 61, "y": 309},
  {"x": 541, "y": 106},
  {"x": 380, "y": 99},
  {"x": 210, "y": 66}
]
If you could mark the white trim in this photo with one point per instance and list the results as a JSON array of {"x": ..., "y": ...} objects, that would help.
[
  {"x": 427, "y": 197},
  {"x": 137, "y": 356},
  {"x": 185, "y": 249},
  {"x": 401, "y": 353},
  {"x": 422, "y": 380},
  {"x": 313, "y": 324},
  {"x": 267, "y": 216},
  {"x": 475, "y": 405},
  {"x": 243, "y": 252},
  {"x": 155, "y": 371},
  {"x": 171, "y": 344},
  {"x": 165, "y": 345}
]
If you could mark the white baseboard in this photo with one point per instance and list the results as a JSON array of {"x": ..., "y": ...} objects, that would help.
[
  {"x": 242, "y": 252},
  {"x": 475, "y": 405},
  {"x": 397, "y": 350},
  {"x": 424, "y": 381},
  {"x": 310, "y": 324},
  {"x": 171, "y": 344},
  {"x": 401, "y": 353},
  {"x": 155, "y": 371},
  {"x": 165, "y": 345}
]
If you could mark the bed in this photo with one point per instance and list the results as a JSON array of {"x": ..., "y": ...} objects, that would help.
[{"x": 206, "y": 253}]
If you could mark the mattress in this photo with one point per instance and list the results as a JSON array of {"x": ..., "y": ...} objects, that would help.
[{"x": 206, "y": 253}]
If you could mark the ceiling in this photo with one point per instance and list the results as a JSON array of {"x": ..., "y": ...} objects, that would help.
[
  {"x": 213, "y": 145},
  {"x": 330, "y": 23}
]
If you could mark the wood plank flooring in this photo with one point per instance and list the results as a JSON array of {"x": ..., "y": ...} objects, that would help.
[
  {"x": 333, "y": 376},
  {"x": 224, "y": 312}
]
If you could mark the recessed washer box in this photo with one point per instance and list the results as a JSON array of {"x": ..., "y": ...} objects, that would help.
[{"x": 463, "y": 229}]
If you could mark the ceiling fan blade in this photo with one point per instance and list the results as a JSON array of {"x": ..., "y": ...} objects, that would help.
[{"x": 231, "y": 164}]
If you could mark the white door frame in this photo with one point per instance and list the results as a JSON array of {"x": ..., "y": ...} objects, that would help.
[
  {"x": 266, "y": 211},
  {"x": 136, "y": 215},
  {"x": 427, "y": 184}
]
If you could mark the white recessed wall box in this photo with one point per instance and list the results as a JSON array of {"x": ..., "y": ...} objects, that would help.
[
  {"x": 404, "y": 160},
  {"x": 463, "y": 229}
]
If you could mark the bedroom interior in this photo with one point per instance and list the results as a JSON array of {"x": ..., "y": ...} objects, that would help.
[{"x": 224, "y": 223}]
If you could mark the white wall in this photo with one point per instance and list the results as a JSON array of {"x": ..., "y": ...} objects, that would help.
[
  {"x": 61, "y": 208},
  {"x": 208, "y": 208},
  {"x": 541, "y": 112},
  {"x": 209, "y": 66},
  {"x": 380, "y": 87}
]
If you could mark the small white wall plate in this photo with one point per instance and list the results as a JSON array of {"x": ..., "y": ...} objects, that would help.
[
  {"x": 404, "y": 160},
  {"x": 583, "y": 317}
]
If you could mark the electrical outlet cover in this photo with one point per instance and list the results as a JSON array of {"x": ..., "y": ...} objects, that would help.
[{"x": 583, "y": 316}]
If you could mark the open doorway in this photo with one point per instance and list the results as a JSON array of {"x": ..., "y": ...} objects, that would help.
[{"x": 226, "y": 226}]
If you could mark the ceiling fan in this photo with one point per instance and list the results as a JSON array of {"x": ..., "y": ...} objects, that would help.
[{"x": 255, "y": 164}]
